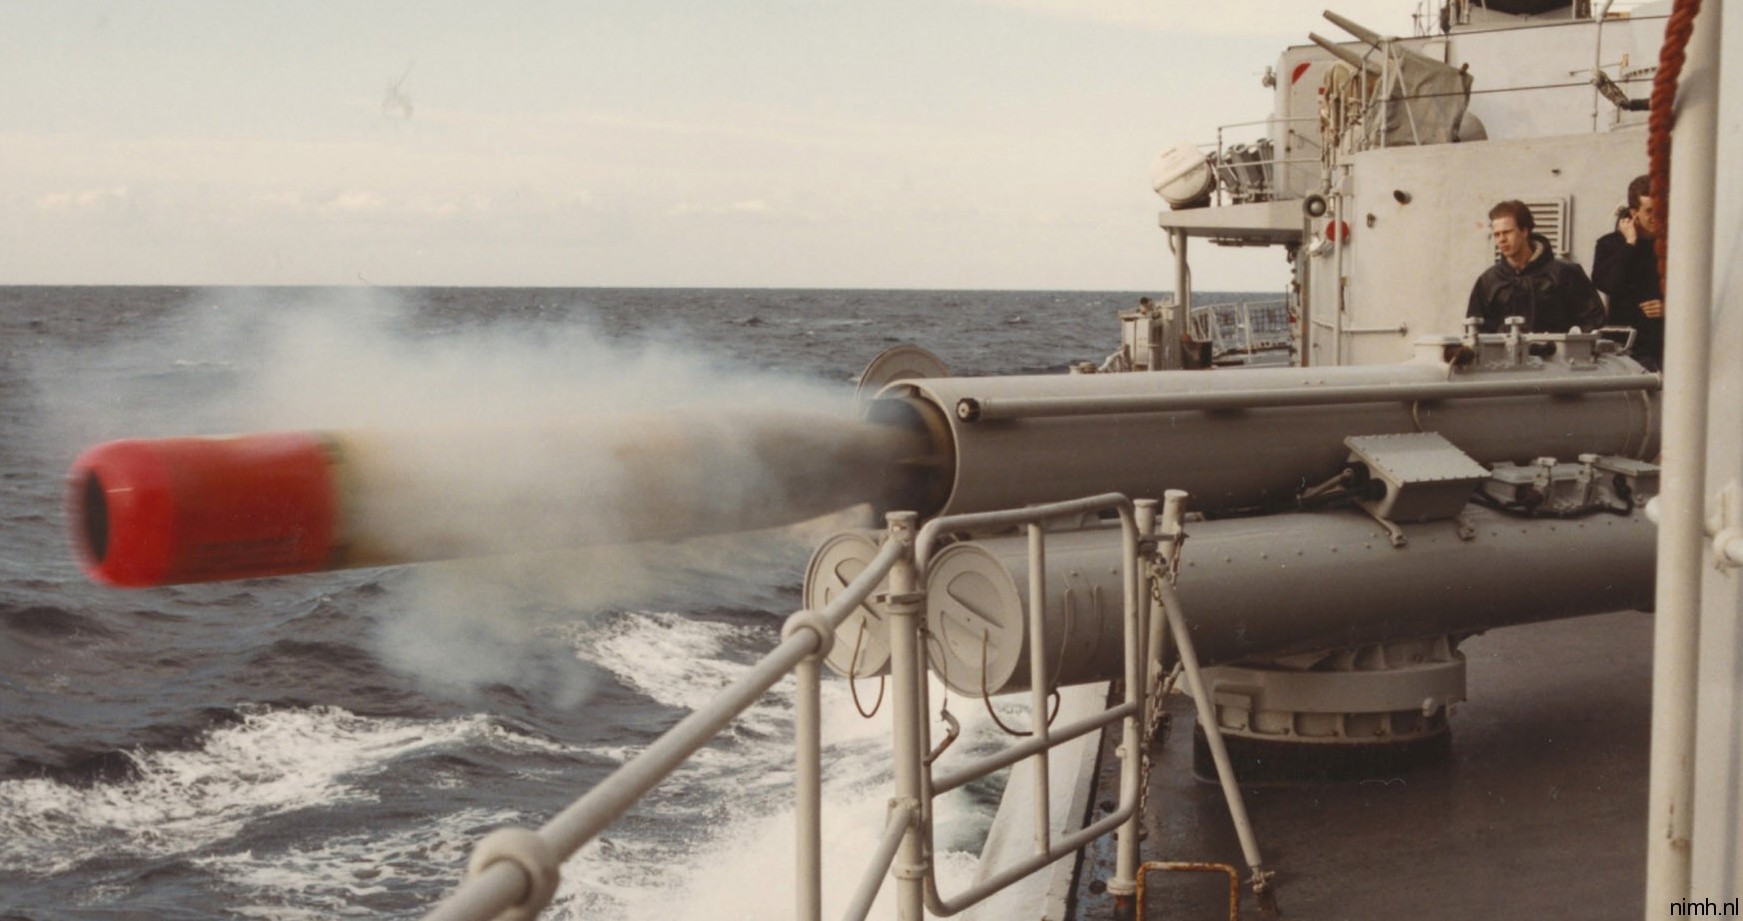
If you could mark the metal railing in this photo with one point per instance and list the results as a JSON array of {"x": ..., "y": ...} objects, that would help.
[
  {"x": 513, "y": 872},
  {"x": 905, "y": 637},
  {"x": 1234, "y": 183},
  {"x": 1189, "y": 866},
  {"x": 1242, "y": 328}
]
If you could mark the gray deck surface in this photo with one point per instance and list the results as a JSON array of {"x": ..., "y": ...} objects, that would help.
[{"x": 1539, "y": 813}]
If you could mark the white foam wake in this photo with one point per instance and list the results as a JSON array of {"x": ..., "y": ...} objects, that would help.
[
  {"x": 365, "y": 873},
  {"x": 728, "y": 852},
  {"x": 714, "y": 841},
  {"x": 272, "y": 762}
]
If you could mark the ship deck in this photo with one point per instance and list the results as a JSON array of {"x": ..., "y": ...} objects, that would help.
[{"x": 1539, "y": 811}]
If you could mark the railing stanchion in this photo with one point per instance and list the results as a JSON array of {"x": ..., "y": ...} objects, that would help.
[
  {"x": 808, "y": 762},
  {"x": 809, "y": 770},
  {"x": 515, "y": 870},
  {"x": 1038, "y": 683},
  {"x": 1124, "y": 885},
  {"x": 1175, "y": 617},
  {"x": 1171, "y": 528},
  {"x": 903, "y": 606},
  {"x": 1131, "y": 711},
  {"x": 1144, "y": 512}
]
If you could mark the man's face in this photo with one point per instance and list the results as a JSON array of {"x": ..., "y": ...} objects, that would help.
[
  {"x": 1513, "y": 243},
  {"x": 1645, "y": 216}
]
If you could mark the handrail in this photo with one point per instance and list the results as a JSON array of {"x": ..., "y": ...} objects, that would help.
[
  {"x": 904, "y": 636},
  {"x": 1024, "y": 749},
  {"x": 1193, "y": 867},
  {"x": 970, "y": 409},
  {"x": 1214, "y": 152},
  {"x": 500, "y": 880},
  {"x": 1214, "y": 320},
  {"x": 1269, "y": 121},
  {"x": 513, "y": 871},
  {"x": 901, "y": 818},
  {"x": 986, "y": 521}
]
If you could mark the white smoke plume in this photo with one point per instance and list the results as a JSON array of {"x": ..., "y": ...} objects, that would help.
[{"x": 486, "y": 438}]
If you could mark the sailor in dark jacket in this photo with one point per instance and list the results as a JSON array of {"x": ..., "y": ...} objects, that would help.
[
  {"x": 1528, "y": 281},
  {"x": 1625, "y": 267}
]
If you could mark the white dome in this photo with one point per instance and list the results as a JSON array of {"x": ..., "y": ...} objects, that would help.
[{"x": 1181, "y": 174}]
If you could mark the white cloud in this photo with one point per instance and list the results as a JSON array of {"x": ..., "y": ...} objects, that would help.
[
  {"x": 745, "y": 206},
  {"x": 589, "y": 173},
  {"x": 82, "y": 200},
  {"x": 356, "y": 202}
]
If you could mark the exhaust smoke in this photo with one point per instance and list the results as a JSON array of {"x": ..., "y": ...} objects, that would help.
[{"x": 474, "y": 445}]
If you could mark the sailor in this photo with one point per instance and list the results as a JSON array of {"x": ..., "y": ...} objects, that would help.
[
  {"x": 1625, "y": 267},
  {"x": 1528, "y": 281}
]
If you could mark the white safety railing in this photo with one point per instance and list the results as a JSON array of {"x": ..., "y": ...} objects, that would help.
[
  {"x": 513, "y": 871},
  {"x": 1249, "y": 171},
  {"x": 923, "y": 785},
  {"x": 1242, "y": 328}
]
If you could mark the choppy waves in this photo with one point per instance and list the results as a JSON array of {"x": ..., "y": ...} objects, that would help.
[
  {"x": 259, "y": 803},
  {"x": 52, "y": 623},
  {"x": 177, "y": 802}
]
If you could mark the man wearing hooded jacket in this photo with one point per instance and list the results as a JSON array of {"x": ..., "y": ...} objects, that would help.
[
  {"x": 1528, "y": 281},
  {"x": 1625, "y": 266}
]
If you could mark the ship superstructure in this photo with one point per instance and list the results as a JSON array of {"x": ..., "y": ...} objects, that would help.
[{"x": 1382, "y": 156}]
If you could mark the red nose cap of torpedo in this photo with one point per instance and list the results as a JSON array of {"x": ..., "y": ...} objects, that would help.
[{"x": 164, "y": 511}]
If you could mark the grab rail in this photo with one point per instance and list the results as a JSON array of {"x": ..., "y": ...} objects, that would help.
[
  {"x": 904, "y": 638},
  {"x": 973, "y": 409},
  {"x": 513, "y": 871},
  {"x": 1189, "y": 866},
  {"x": 1231, "y": 329}
]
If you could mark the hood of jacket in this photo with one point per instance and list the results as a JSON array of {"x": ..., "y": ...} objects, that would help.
[{"x": 1542, "y": 254}]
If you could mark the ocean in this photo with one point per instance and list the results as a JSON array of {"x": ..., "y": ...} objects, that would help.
[{"x": 332, "y": 745}]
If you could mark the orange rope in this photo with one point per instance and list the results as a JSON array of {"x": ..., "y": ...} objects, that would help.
[{"x": 1670, "y": 61}]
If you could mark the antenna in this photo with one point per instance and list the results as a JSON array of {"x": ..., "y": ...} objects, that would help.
[{"x": 396, "y": 104}]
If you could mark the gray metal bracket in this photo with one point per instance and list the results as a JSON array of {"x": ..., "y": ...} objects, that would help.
[{"x": 1426, "y": 478}]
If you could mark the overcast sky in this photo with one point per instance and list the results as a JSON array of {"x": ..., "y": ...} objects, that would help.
[{"x": 823, "y": 143}]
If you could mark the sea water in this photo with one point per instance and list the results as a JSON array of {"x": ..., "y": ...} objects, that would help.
[{"x": 333, "y": 745}]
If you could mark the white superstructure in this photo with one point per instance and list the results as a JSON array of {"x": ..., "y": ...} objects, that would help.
[{"x": 1376, "y": 169}]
